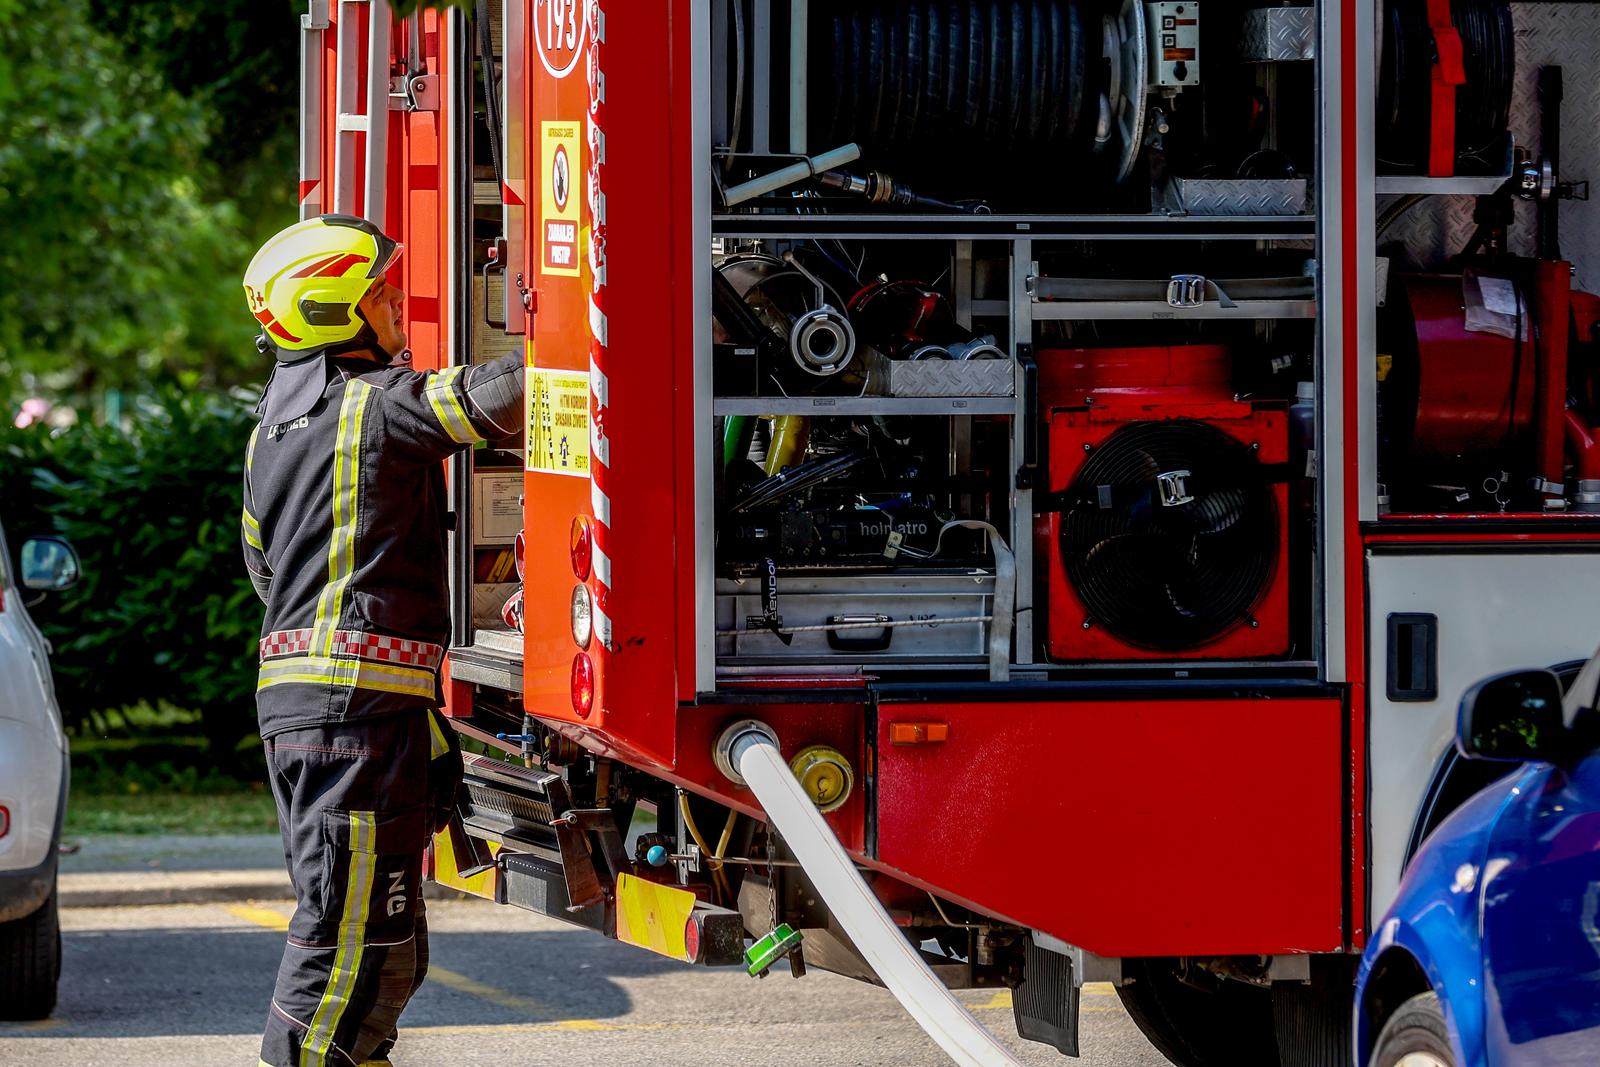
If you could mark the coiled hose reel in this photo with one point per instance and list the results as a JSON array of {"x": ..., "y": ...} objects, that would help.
[{"x": 1010, "y": 79}]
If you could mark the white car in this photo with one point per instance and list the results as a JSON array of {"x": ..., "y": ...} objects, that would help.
[{"x": 33, "y": 783}]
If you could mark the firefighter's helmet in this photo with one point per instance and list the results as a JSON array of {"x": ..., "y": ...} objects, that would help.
[
  {"x": 304, "y": 284},
  {"x": 303, "y": 287}
]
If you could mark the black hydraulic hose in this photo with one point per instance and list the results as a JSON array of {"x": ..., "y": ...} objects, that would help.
[{"x": 491, "y": 94}]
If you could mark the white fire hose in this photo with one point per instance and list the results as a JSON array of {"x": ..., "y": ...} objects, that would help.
[{"x": 749, "y": 751}]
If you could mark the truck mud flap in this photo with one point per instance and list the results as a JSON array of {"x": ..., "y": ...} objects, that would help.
[{"x": 1046, "y": 1003}]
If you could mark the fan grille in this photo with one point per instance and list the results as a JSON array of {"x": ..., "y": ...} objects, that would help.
[{"x": 1161, "y": 576}]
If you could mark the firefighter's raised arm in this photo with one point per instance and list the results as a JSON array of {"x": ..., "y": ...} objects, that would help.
[{"x": 431, "y": 414}]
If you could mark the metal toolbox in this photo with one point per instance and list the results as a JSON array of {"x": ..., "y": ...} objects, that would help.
[
  {"x": 1240, "y": 196},
  {"x": 888, "y": 618}
]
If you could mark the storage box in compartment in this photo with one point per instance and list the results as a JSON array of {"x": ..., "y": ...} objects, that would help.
[{"x": 849, "y": 613}]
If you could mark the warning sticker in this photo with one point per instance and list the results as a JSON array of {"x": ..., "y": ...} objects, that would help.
[
  {"x": 561, "y": 162},
  {"x": 558, "y": 422}
]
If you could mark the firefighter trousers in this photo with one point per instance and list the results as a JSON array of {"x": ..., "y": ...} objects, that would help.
[{"x": 357, "y": 803}]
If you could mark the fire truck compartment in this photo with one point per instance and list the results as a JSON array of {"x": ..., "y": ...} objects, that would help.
[{"x": 1149, "y": 826}]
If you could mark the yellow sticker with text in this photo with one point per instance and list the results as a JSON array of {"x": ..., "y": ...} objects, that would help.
[
  {"x": 561, "y": 178},
  {"x": 1385, "y": 365},
  {"x": 558, "y": 421}
]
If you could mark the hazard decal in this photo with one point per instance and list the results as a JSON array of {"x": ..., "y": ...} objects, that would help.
[
  {"x": 561, "y": 159},
  {"x": 558, "y": 422}
]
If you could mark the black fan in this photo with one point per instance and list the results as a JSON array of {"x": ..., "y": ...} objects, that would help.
[{"x": 1169, "y": 534}]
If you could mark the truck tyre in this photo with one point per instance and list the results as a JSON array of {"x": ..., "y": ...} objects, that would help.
[
  {"x": 30, "y": 963},
  {"x": 1313, "y": 1019},
  {"x": 1415, "y": 1035},
  {"x": 1226, "y": 1025}
]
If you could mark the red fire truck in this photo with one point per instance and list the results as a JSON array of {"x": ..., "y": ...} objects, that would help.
[{"x": 1095, "y": 442}]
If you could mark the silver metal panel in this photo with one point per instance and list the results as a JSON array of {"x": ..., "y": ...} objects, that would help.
[
  {"x": 950, "y": 378},
  {"x": 1206, "y": 196},
  {"x": 1567, "y": 35},
  {"x": 374, "y": 200},
  {"x": 1366, "y": 270},
  {"x": 700, "y": 77},
  {"x": 1279, "y": 34},
  {"x": 799, "y": 36},
  {"x": 514, "y": 151},
  {"x": 1330, "y": 344},
  {"x": 349, "y": 123},
  {"x": 864, "y": 405},
  {"x": 760, "y": 30},
  {"x": 1496, "y": 613},
  {"x": 929, "y": 227},
  {"x": 1020, "y": 310},
  {"x": 1087, "y": 310},
  {"x": 312, "y": 25}
]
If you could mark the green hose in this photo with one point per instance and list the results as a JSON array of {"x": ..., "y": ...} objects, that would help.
[{"x": 737, "y": 433}]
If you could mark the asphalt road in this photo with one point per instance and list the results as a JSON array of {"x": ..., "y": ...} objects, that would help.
[{"x": 176, "y": 985}]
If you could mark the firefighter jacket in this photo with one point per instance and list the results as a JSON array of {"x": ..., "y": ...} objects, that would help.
[{"x": 344, "y": 536}]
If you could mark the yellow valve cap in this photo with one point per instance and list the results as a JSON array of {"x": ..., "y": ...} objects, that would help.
[{"x": 825, "y": 775}]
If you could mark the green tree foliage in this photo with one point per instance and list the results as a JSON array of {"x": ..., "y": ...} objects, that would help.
[
  {"x": 239, "y": 60},
  {"x": 118, "y": 267},
  {"x": 164, "y": 611}
]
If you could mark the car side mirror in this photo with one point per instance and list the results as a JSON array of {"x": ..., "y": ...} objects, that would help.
[
  {"x": 49, "y": 564},
  {"x": 1515, "y": 716}
]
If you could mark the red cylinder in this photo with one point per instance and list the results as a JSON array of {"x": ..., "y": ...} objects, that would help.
[{"x": 1448, "y": 391}]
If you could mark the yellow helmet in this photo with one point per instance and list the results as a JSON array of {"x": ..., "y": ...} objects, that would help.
[{"x": 304, "y": 284}]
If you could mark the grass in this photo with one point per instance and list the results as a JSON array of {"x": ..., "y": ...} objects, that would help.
[
  {"x": 144, "y": 770},
  {"x": 90, "y": 814}
]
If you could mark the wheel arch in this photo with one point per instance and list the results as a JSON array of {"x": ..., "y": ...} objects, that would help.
[{"x": 1395, "y": 977}]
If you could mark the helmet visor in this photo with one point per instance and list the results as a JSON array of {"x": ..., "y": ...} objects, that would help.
[{"x": 388, "y": 251}]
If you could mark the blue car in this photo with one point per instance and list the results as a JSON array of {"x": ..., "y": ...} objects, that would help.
[{"x": 1490, "y": 956}]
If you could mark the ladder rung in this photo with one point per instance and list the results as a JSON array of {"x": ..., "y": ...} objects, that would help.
[{"x": 352, "y": 123}]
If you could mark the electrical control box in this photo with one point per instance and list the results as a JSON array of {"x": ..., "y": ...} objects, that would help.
[{"x": 1174, "y": 36}]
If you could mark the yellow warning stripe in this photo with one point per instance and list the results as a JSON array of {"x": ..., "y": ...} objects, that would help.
[
  {"x": 348, "y": 673},
  {"x": 352, "y": 942},
  {"x": 441, "y": 394},
  {"x": 252, "y": 528},
  {"x": 346, "y": 510}
]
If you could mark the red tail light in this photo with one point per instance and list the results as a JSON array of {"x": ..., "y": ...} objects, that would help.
[
  {"x": 582, "y": 547},
  {"x": 582, "y": 684},
  {"x": 691, "y": 940},
  {"x": 5, "y": 820}
]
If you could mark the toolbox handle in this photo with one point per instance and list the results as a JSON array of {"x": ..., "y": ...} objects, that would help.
[{"x": 877, "y": 642}]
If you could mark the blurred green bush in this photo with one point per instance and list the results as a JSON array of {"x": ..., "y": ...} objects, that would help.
[{"x": 164, "y": 612}]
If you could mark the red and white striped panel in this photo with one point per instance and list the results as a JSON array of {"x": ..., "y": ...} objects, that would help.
[
  {"x": 599, "y": 384},
  {"x": 379, "y": 648}
]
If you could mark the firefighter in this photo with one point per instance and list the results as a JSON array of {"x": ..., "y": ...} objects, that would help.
[{"x": 344, "y": 537}]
